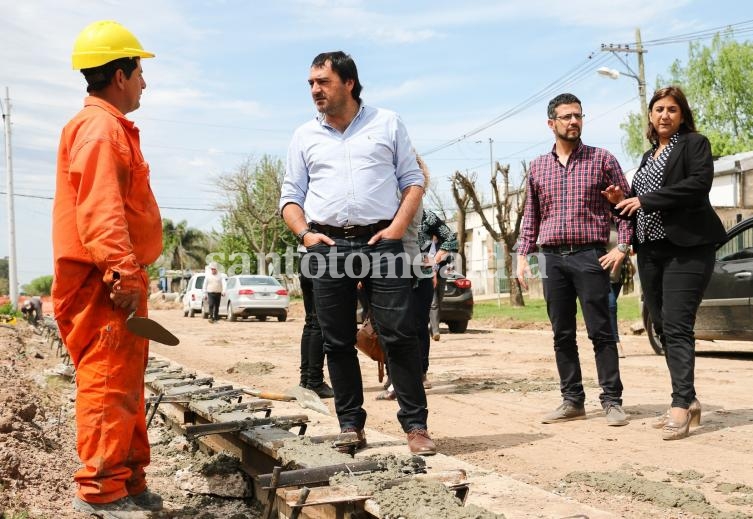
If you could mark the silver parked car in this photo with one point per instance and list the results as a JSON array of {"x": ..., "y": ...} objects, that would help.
[{"x": 257, "y": 296}]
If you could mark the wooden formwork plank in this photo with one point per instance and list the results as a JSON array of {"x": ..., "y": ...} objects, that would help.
[{"x": 325, "y": 495}]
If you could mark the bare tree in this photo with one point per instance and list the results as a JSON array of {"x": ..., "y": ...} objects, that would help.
[
  {"x": 508, "y": 204},
  {"x": 462, "y": 200},
  {"x": 437, "y": 203}
]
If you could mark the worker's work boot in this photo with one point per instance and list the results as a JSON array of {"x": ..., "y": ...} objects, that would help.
[
  {"x": 148, "y": 500},
  {"x": 123, "y": 508}
]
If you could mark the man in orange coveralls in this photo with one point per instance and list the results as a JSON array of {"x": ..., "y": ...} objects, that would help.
[{"x": 106, "y": 229}]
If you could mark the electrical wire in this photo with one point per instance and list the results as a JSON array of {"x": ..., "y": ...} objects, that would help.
[
  {"x": 584, "y": 69},
  {"x": 574, "y": 75},
  {"x": 204, "y": 209}
]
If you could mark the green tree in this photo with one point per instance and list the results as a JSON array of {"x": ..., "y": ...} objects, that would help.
[
  {"x": 183, "y": 247},
  {"x": 632, "y": 142},
  {"x": 41, "y": 286},
  {"x": 717, "y": 81},
  {"x": 251, "y": 223},
  {"x": 4, "y": 276}
]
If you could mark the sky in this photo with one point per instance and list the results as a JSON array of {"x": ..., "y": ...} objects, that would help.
[{"x": 229, "y": 84}]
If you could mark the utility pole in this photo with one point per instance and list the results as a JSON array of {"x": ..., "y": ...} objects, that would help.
[
  {"x": 12, "y": 271},
  {"x": 494, "y": 219},
  {"x": 642, "y": 85},
  {"x": 639, "y": 77}
]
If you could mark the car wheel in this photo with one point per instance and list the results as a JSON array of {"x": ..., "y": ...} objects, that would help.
[
  {"x": 191, "y": 312},
  {"x": 230, "y": 315},
  {"x": 282, "y": 317},
  {"x": 185, "y": 313},
  {"x": 653, "y": 337},
  {"x": 457, "y": 326},
  {"x": 261, "y": 317}
]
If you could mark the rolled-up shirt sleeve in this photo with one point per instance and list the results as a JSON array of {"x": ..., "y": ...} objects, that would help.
[
  {"x": 296, "y": 180},
  {"x": 406, "y": 167}
]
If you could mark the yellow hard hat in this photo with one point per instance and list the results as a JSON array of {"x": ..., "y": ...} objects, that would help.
[{"x": 104, "y": 41}]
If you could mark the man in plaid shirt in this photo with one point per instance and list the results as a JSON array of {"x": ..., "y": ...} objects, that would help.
[{"x": 569, "y": 218}]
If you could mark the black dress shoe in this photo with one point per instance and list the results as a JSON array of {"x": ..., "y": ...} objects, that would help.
[{"x": 322, "y": 390}]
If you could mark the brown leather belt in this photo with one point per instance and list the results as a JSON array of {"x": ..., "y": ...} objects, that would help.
[
  {"x": 566, "y": 250},
  {"x": 350, "y": 231}
]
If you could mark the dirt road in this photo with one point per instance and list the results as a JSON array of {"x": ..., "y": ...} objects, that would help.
[{"x": 491, "y": 387}]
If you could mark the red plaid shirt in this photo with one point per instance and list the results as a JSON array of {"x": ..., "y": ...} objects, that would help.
[{"x": 565, "y": 205}]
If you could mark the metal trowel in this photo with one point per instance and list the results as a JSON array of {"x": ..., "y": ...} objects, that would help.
[
  {"x": 150, "y": 329},
  {"x": 303, "y": 397}
]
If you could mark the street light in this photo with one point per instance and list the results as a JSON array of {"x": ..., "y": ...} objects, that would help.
[
  {"x": 639, "y": 77},
  {"x": 615, "y": 74}
]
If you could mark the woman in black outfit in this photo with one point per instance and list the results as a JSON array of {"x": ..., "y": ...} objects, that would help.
[{"x": 675, "y": 236}]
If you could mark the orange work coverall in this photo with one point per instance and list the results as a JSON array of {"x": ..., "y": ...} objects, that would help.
[{"x": 106, "y": 226}]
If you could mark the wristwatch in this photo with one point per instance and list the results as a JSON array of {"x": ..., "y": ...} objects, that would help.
[
  {"x": 301, "y": 234},
  {"x": 623, "y": 247}
]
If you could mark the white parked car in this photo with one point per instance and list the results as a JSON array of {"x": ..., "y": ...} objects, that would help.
[
  {"x": 193, "y": 298},
  {"x": 258, "y": 296}
]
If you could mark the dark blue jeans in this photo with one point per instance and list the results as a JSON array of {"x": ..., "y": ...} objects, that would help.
[
  {"x": 312, "y": 341},
  {"x": 572, "y": 277},
  {"x": 213, "y": 305},
  {"x": 387, "y": 281},
  {"x": 673, "y": 280},
  {"x": 614, "y": 293}
]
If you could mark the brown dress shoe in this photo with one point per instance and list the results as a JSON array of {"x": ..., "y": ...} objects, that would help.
[
  {"x": 360, "y": 433},
  {"x": 420, "y": 443}
]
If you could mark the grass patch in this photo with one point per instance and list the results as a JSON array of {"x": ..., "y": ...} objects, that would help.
[{"x": 534, "y": 311}]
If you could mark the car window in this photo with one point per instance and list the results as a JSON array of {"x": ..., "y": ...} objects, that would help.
[
  {"x": 230, "y": 283},
  {"x": 199, "y": 282},
  {"x": 259, "y": 280},
  {"x": 739, "y": 246}
]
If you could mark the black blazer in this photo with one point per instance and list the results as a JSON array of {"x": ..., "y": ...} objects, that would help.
[{"x": 683, "y": 199}]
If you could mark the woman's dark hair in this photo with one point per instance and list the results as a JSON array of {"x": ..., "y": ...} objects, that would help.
[
  {"x": 97, "y": 78},
  {"x": 688, "y": 123},
  {"x": 344, "y": 66}
]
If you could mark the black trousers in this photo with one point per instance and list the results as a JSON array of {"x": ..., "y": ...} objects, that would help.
[
  {"x": 423, "y": 293},
  {"x": 387, "y": 281},
  {"x": 213, "y": 304},
  {"x": 579, "y": 276},
  {"x": 312, "y": 341},
  {"x": 673, "y": 280}
]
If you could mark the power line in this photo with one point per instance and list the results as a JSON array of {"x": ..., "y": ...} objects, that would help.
[
  {"x": 572, "y": 76},
  {"x": 581, "y": 71},
  {"x": 745, "y": 28},
  {"x": 204, "y": 209}
]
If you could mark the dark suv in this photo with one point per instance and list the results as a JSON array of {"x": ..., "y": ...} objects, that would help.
[
  {"x": 726, "y": 312},
  {"x": 457, "y": 305}
]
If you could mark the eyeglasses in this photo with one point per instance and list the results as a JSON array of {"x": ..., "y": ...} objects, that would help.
[{"x": 566, "y": 118}]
